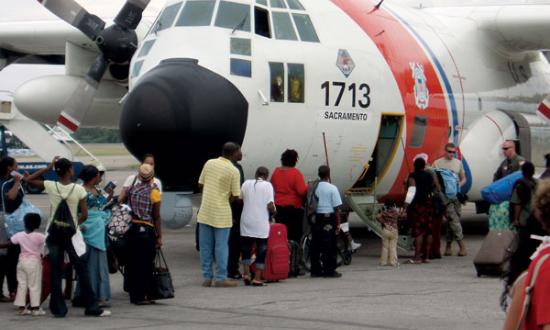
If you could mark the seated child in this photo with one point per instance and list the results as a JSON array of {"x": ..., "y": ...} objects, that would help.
[
  {"x": 29, "y": 268},
  {"x": 388, "y": 217}
]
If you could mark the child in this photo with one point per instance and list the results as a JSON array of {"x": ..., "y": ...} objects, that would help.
[
  {"x": 29, "y": 268},
  {"x": 388, "y": 217}
]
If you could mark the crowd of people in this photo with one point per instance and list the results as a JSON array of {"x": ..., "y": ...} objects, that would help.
[{"x": 233, "y": 224}]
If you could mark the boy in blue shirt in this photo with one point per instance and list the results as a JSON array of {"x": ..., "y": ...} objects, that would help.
[{"x": 325, "y": 228}]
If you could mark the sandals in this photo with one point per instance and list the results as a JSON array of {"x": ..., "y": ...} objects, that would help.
[
  {"x": 414, "y": 261},
  {"x": 258, "y": 283},
  {"x": 246, "y": 279}
]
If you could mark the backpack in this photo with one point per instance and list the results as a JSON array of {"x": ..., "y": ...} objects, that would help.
[
  {"x": 448, "y": 181},
  {"x": 62, "y": 227},
  {"x": 312, "y": 199}
]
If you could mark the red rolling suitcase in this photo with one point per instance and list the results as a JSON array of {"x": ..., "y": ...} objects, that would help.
[{"x": 278, "y": 257}]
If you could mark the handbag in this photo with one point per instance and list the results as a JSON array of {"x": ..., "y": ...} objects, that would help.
[
  {"x": 161, "y": 282},
  {"x": 119, "y": 223},
  {"x": 14, "y": 221}
]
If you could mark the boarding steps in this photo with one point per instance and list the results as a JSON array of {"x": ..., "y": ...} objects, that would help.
[{"x": 364, "y": 203}]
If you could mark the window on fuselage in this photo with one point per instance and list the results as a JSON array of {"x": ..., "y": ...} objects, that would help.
[
  {"x": 261, "y": 22},
  {"x": 235, "y": 16},
  {"x": 167, "y": 17},
  {"x": 137, "y": 68},
  {"x": 296, "y": 79},
  {"x": 305, "y": 28},
  {"x": 283, "y": 26},
  {"x": 240, "y": 46},
  {"x": 262, "y": 2},
  {"x": 277, "y": 82},
  {"x": 196, "y": 13},
  {"x": 241, "y": 68},
  {"x": 146, "y": 48},
  {"x": 419, "y": 131}
]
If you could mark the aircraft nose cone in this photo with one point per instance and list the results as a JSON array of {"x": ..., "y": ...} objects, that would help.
[{"x": 182, "y": 113}]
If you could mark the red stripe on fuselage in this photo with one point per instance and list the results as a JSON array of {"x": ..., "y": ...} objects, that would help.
[
  {"x": 545, "y": 110},
  {"x": 400, "y": 48},
  {"x": 72, "y": 127}
]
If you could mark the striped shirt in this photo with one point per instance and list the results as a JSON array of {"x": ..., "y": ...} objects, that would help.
[{"x": 220, "y": 180}]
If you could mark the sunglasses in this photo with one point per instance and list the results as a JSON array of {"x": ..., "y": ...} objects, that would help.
[
  {"x": 506, "y": 148},
  {"x": 450, "y": 151}
]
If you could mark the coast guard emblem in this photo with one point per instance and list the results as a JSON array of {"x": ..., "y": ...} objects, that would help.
[
  {"x": 344, "y": 62},
  {"x": 421, "y": 92}
]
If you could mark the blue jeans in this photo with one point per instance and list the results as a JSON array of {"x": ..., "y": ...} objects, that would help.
[{"x": 213, "y": 247}]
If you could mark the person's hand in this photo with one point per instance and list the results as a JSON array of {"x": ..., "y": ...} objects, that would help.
[
  {"x": 82, "y": 228},
  {"x": 338, "y": 229},
  {"x": 52, "y": 164},
  {"x": 17, "y": 179},
  {"x": 158, "y": 244},
  {"x": 110, "y": 191}
]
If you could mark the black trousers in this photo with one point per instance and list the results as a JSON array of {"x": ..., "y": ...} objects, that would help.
[
  {"x": 8, "y": 268},
  {"x": 293, "y": 219},
  {"x": 234, "y": 241},
  {"x": 323, "y": 245},
  {"x": 57, "y": 300},
  {"x": 141, "y": 257}
]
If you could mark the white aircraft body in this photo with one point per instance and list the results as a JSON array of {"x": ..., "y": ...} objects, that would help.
[{"x": 361, "y": 85}]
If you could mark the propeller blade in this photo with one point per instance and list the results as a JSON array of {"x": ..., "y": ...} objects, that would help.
[
  {"x": 72, "y": 13},
  {"x": 130, "y": 15},
  {"x": 81, "y": 100}
]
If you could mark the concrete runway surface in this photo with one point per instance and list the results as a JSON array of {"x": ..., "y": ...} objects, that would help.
[{"x": 445, "y": 294}]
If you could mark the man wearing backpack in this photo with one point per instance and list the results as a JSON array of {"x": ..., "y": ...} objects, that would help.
[{"x": 454, "y": 208}]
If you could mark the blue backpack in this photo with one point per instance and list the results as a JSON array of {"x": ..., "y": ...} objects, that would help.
[{"x": 448, "y": 181}]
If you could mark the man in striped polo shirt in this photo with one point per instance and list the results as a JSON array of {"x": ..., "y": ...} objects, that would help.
[{"x": 220, "y": 184}]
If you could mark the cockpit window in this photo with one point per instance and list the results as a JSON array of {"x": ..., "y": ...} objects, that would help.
[
  {"x": 196, "y": 13},
  {"x": 283, "y": 26},
  {"x": 305, "y": 28},
  {"x": 235, "y": 16},
  {"x": 277, "y": 3},
  {"x": 262, "y": 2},
  {"x": 296, "y": 79},
  {"x": 295, "y": 4},
  {"x": 167, "y": 17},
  {"x": 261, "y": 22},
  {"x": 241, "y": 46}
]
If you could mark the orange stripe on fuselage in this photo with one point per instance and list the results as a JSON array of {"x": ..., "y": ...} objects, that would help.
[{"x": 400, "y": 48}]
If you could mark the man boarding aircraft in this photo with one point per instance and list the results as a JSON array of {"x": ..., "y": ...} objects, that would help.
[{"x": 358, "y": 84}]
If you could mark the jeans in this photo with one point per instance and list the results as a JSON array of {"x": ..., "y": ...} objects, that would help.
[
  {"x": 8, "y": 268},
  {"x": 57, "y": 301},
  {"x": 213, "y": 247},
  {"x": 99, "y": 274},
  {"x": 261, "y": 250}
]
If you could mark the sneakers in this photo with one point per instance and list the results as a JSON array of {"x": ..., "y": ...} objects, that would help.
[
  {"x": 98, "y": 313},
  {"x": 38, "y": 312},
  {"x": 355, "y": 246},
  {"x": 227, "y": 283}
]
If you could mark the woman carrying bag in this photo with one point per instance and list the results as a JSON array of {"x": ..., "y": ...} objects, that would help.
[{"x": 144, "y": 236}]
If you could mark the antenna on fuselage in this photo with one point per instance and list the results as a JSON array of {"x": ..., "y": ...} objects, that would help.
[{"x": 379, "y": 4}]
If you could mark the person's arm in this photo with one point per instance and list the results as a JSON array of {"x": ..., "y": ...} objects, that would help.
[
  {"x": 6, "y": 245},
  {"x": 300, "y": 184},
  {"x": 462, "y": 178},
  {"x": 158, "y": 227},
  {"x": 338, "y": 218},
  {"x": 83, "y": 211},
  {"x": 514, "y": 312},
  {"x": 235, "y": 186},
  {"x": 12, "y": 193},
  {"x": 35, "y": 179}
]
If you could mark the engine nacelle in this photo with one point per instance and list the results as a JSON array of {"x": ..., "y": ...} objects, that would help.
[
  {"x": 481, "y": 146},
  {"x": 481, "y": 149},
  {"x": 42, "y": 99}
]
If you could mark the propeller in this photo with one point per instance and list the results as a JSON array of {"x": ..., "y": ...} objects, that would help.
[{"x": 117, "y": 44}]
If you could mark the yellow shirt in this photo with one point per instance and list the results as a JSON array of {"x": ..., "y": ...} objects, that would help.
[
  {"x": 57, "y": 191},
  {"x": 220, "y": 180}
]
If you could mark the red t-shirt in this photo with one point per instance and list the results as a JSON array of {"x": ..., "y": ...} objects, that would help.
[
  {"x": 539, "y": 312},
  {"x": 290, "y": 187}
]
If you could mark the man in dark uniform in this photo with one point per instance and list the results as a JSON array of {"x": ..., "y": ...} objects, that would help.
[
  {"x": 512, "y": 162},
  {"x": 235, "y": 234}
]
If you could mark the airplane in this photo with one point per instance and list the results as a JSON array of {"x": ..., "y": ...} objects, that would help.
[{"x": 361, "y": 85}]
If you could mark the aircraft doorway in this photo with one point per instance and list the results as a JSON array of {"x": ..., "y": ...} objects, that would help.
[{"x": 384, "y": 151}]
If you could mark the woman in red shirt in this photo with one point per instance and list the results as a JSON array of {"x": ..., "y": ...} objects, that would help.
[{"x": 290, "y": 190}]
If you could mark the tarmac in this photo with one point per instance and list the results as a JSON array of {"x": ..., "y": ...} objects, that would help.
[{"x": 445, "y": 294}]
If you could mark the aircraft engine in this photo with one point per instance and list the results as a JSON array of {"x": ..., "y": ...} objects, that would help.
[
  {"x": 182, "y": 113},
  {"x": 483, "y": 142}
]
